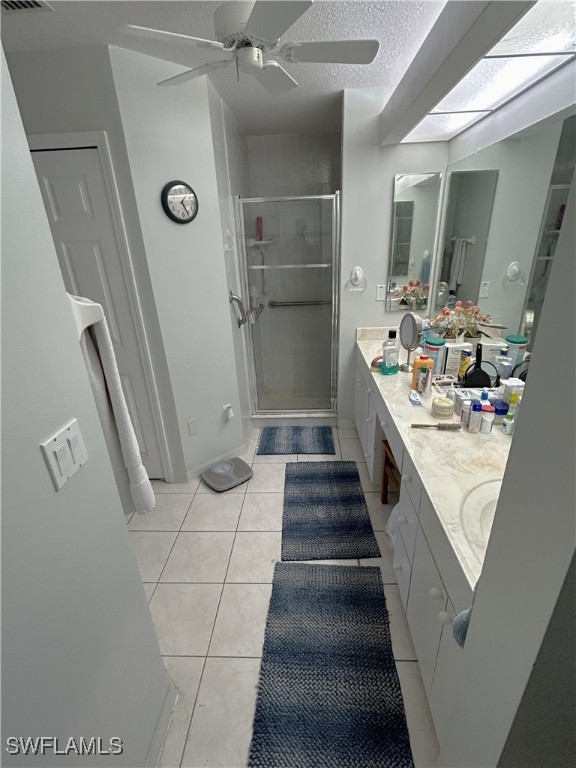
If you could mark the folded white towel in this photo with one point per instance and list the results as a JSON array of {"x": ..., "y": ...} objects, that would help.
[{"x": 118, "y": 430}]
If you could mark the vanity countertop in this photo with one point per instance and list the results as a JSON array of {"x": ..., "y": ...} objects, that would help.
[{"x": 450, "y": 464}]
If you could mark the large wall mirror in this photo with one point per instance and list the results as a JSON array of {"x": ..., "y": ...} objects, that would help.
[
  {"x": 501, "y": 218},
  {"x": 415, "y": 211}
]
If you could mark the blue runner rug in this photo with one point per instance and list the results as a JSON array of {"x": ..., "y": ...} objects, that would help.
[
  {"x": 328, "y": 693},
  {"x": 282, "y": 440},
  {"x": 325, "y": 514}
]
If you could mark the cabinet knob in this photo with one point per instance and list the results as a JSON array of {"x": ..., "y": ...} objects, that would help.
[
  {"x": 397, "y": 566},
  {"x": 358, "y": 381},
  {"x": 384, "y": 424},
  {"x": 406, "y": 478},
  {"x": 445, "y": 617},
  {"x": 368, "y": 421},
  {"x": 402, "y": 520},
  {"x": 369, "y": 390},
  {"x": 436, "y": 593}
]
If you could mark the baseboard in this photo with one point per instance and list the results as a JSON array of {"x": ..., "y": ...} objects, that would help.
[
  {"x": 161, "y": 730},
  {"x": 197, "y": 471}
]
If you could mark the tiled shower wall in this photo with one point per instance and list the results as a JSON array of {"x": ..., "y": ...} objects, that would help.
[{"x": 294, "y": 164}]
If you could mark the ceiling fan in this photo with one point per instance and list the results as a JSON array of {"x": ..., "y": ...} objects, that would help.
[{"x": 247, "y": 32}]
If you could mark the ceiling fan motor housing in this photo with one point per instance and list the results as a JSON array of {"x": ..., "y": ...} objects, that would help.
[{"x": 249, "y": 59}]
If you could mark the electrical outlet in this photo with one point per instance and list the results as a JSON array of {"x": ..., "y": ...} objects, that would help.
[
  {"x": 380, "y": 293},
  {"x": 484, "y": 289}
]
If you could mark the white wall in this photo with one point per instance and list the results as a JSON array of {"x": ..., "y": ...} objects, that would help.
[
  {"x": 80, "y": 653},
  {"x": 169, "y": 136},
  {"x": 367, "y": 195},
  {"x": 294, "y": 164},
  {"x": 66, "y": 91},
  {"x": 529, "y": 554}
]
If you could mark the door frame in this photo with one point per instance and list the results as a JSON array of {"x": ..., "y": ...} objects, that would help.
[
  {"x": 243, "y": 278},
  {"x": 99, "y": 141}
]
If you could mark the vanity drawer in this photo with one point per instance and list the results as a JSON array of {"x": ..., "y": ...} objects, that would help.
[
  {"x": 407, "y": 523},
  {"x": 453, "y": 574},
  {"x": 390, "y": 432},
  {"x": 411, "y": 481},
  {"x": 402, "y": 569}
]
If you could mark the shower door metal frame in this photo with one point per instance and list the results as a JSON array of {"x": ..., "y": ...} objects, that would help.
[{"x": 243, "y": 269}]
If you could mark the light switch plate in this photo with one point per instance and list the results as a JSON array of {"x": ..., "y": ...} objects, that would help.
[{"x": 64, "y": 453}]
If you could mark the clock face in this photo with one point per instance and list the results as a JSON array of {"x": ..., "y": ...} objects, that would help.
[{"x": 179, "y": 202}]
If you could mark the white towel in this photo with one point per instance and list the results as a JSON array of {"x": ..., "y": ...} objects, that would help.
[
  {"x": 131, "y": 477},
  {"x": 458, "y": 263}
]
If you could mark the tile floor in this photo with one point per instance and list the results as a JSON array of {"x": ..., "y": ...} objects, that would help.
[{"x": 206, "y": 561}]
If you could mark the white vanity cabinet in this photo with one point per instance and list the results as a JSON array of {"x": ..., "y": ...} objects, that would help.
[
  {"x": 367, "y": 424},
  {"x": 432, "y": 583}
]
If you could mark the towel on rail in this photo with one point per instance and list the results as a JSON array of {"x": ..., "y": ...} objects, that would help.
[{"x": 131, "y": 477}]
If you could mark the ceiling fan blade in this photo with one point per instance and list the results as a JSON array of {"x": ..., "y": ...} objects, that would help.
[
  {"x": 275, "y": 78},
  {"x": 269, "y": 19},
  {"x": 190, "y": 74},
  {"x": 332, "y": 51},
  {"x": 132, "y": 30}
]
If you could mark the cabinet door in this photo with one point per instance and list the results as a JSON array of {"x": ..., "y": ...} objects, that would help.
[
  {"x": 361, "y": 409},
  {"x": 427, "y": 599},
  {"x": 446, "y": 688}
]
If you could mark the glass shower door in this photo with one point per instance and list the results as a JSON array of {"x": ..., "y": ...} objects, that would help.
[{"x": 290, "y": 251}]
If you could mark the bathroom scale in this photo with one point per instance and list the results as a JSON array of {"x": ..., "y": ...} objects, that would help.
[{"x": 227, "y": 474}]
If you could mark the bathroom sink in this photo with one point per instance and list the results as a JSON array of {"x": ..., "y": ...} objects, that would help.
[{"x": 477, "y": 515}]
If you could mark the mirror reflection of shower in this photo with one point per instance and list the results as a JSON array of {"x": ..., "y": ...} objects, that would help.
[{"x": 290, "y": 253}]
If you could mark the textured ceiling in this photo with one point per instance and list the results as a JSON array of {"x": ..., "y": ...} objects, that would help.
[{"x": 314, "y": 106}]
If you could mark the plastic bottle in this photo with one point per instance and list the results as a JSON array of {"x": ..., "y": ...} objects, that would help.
[
  {"x": 423, "y": 361},
  {"x": 488, "y": 414},
  {"x": 517, "y": 346},
  {"x": 465, "y": 413},
  {"x": 484, "y": 396},
  {"x": 465, "y": 363},
  {"x": 503, "y": 363},
  {"x": 390, "y": 352},
  {"x": 501, "y": 409},
  {"x": 508, "y": 424},
  {"x": 475, "y": 417},
  {"x": 435, "y": 347},
  {"x": 514, "y": 401}
]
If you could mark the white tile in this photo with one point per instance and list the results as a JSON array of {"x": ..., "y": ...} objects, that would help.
[
  {"x": 277, "y": 458},
  {"x": 402, "y": 645},
  {"x": 201, "y": 556},
  {"x": 379, "y": 513},
  {"x": 337, "y": 456},
  {"x": 347, "y": 433},
  {"x": 185, "y": 673},
  {"x": 203, "y": 488},
  {"x": 262, "y": 512},
  {"x": 253, "y": 557},
  {"x": 159, "y": 486},
  {"x": 241, "y": 620},
  {"x": 184, "y": 616},
  {"x": 267, "y": 478},
  {"x": 385, "y": 562},
  {"x": 152, "y": 549},
  {"x": 213, "y": 513},
  {"x": 167, "y": 515},
  {"x": 423, "y": 738},
  {"x": 149, "y": 589},
  {"x": 351, "y": 450},
  {"x": 221, "y": 726}
]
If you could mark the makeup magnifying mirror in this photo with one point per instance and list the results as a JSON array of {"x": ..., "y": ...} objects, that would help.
[{"x": 410, "y": 330}]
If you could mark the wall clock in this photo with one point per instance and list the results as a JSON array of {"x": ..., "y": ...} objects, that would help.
[{"x": 179, "y": 202}]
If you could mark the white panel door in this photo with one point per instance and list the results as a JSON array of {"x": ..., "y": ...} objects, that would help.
[{"x": 79, "y": 212}]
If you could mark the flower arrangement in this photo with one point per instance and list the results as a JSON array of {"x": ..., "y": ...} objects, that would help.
[
  {"x": 463, "y": 320},
  {"x": 415, "y": 293}
]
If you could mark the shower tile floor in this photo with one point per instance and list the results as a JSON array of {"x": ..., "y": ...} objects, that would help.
[{"x": 206, "y": 561}]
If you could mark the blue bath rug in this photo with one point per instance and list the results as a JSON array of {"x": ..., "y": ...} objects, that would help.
[
  {"x": 328, "y": 693},
  {"x": 283, "y": 440},
  {"x": 325, "y": 515}
]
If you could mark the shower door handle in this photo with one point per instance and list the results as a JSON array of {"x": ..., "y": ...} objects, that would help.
[{"x": 237, "y": 300}]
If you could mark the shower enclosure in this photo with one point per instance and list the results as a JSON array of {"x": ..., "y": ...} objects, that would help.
[{"x": 289, "y": 261}]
